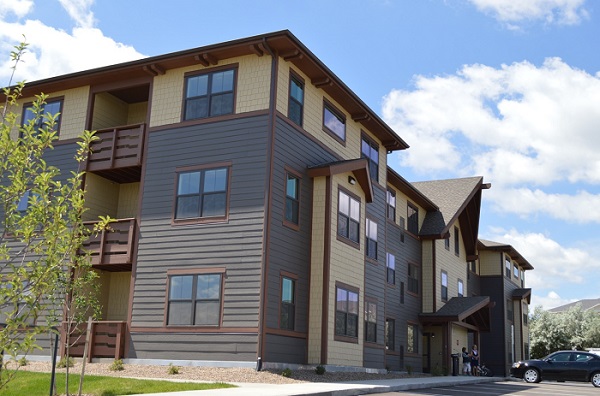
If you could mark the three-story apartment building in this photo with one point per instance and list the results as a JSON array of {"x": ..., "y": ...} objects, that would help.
[{"x": 257, "y": 219}]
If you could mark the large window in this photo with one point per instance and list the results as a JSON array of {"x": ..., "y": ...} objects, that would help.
[
  {"x": 296, "y": 100},
  {"x": 292, "y": 199},
  {"x": 288, "y": 303},
  {"x": 334, "y": 122},
  {"x": 49, "y": 115},
  {"x": 390, "y": 263},
  {"x": 370, "y": 151},
  {"x": 391, "y": 205},
  {"x": 413, "y": 278},
  {"x": 390, "y": 333},
  {"x": 346, "y": 312},
  {"x": 195, "y": 299},
  {"x": 444, "y": 277},
  {"x": 507, "y": 265},
  {"x": 413, "y": 219},
  {"x": 371, "y": 239},
  {"x": 412, "y": 344},
  {"x": 456, "y": 241},
  {"x": 348, "y": 217},
  {"x": 370, "y": 321},
  {"x": 209, "y": 94},
  {"x": 202, "y": 194},
  {"x": 516, "y": 271},
  {"x": 461, "y": 288}
]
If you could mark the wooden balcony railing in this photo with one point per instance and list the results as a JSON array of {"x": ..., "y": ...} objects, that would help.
[
  {"x": 107, "y": 340},
  {"x": 119, "y": 147},
  {"x": 112, "y": 247}
]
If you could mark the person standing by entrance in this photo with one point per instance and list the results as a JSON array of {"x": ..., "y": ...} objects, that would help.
[
  {"x": 466, "y": 356},
  {"x": 474, "y": 360}
]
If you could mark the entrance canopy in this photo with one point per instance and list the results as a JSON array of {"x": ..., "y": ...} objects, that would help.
[{"x": 472, "y": 312}]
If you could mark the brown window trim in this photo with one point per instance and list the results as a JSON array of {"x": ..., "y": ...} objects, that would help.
[
  {"x": 286, "y": 222},
  {"x": 415, "y": 325},
  {"x": 334, "y": 109},
  {"x": 372, "y": 300},
  {"x": 339, "y": 237},
  {"x": 230, "y": 66},
  {"x": 353, "y": 289},
  {"x": 443, "y": 272},
  {"x": 297, "y": 77},
  {"x": 202, "y": 220},
  {"x": 294, "y": 277},
  {"x": 372, "y": 142},
  {"x": 367, "y": 258},
  {"x": 194, "y": 272},
  {"x": 419, "y": 279},
  {"x": 60, "y": 98}
]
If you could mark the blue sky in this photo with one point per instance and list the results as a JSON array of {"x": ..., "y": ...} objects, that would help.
[{"x": 508, "y": 90}]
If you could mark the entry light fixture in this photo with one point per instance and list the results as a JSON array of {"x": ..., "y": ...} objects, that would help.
[{"x": 351, "y": 180}]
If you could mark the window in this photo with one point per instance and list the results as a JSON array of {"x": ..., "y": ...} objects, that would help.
[
  {"x": 413, "y": 278},
  {"x": 412, "y": 345},
  {"x": 370, "y": 151},
  {"x": 522, "y": 278},
  {"x": 390, "y": 332},
  {"x": 202, "y": 193},
  {"x": 292, "y": 199},
  {"x": 444, "y": 286},
  {"x": 26, "y": 200},
  {"x": 401, "y": 292},
  {"x": 49, "y": 113},
  {"x": 194, "y": 300},
  {"x": 296, "y": 100},
  {"x": 346, "y": 313},
  {"x": 288, "y": 303},
  {"x": 413, "y": 219},
  {"x": 447, "y": 243},
  {"x": 371, "y": 239},
  {"x": 473, "y": 266},
  {"x": 456, "y": 241},
  {"x": 516, "y": 271},
  {"x": 334, "y": 122},
  {"x": 507, "y": 263},
  {"x": 391, "y": 268},
  {"x": 370, "y": 321},
  {"x": 461, "y": 288},
  {"x": 209, "y": 94},
  {"x": 525, "y": 313},
  {"x": 509, "y": 310},
  {"x": 348, "y": 217},
  {"x": 391, "y": 205}
]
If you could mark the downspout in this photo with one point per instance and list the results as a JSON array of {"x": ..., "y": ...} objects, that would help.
[{"x": 262, "y": 311}]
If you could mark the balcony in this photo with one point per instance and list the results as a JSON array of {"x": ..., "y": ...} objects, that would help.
[
  {"x": 117, "y": 154},
  {"x": 106, "y": 340},
  {"x": 112, "y": 249}
]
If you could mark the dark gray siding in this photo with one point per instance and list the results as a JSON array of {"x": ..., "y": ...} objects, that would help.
[
  {"x": 289, "y": 249},
  {"x": 235, "y": 245},
  {"x": 493, "y": 344}
]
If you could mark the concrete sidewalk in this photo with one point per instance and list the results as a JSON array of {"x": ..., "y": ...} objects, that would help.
[{"x": 335, "y": 388}]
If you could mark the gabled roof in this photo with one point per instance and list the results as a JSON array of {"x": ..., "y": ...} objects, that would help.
[
  {"x": 471, "y": 310},
  {"x": 409, "y": 190},
  {"x": 586, "y": 304},
  {"x": 282, "y": 43},
  {"x": 457, "y": 199},
  {"x": 359, "y": 167},
  {"x": 522, "y": 294},
  {"x": 484, "y": 244}
]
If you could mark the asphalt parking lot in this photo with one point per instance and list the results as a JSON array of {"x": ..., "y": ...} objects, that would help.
[{"x": 506, "y": 388}]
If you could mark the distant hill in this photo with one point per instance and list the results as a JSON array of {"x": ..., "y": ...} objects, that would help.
[{"x": 586, "y": 305}]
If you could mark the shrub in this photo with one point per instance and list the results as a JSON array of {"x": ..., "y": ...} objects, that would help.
[
  {"x": 172, "y": 370},
  {"x": 287, "y": 373},
  {"x": 320, "y": 370},
  {"x": 117, "y": 365},
  {"x": 23, "y": 362},
  {"x": 64, "y": 361}
]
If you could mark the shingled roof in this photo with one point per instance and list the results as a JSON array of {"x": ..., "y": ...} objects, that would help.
[
  {"x": 472, "y": 310},
  {"x": 457, "y": 199},
  {"x": 484, "y": 244},
  {"x": 586, "y": 304}
]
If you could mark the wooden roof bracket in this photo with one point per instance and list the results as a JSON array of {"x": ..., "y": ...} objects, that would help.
[
  {"x": 206, "y": 59},
  {"x": 154, "y": 69}
]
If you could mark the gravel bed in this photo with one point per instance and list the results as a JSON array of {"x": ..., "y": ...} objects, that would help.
[{"x": 216, "y": 374}]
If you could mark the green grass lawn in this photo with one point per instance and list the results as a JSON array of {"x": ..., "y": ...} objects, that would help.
[{"x": 33, "y": 384}]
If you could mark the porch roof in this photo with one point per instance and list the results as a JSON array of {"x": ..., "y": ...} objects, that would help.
[{"x": 474, "y": 311}]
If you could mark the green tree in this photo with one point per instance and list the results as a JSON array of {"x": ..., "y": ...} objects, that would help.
[{"x": 43, "y": 271}]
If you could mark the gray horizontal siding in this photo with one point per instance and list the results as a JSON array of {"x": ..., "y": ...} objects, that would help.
[
  {"x": 235, "y": 245},
  {"x": 286, "y": 349}
]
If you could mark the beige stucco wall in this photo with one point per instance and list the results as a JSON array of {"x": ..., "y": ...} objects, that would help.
[
  {"x": 128, "y": 200},
  {"x": 313, "y": 118},
  {"x": 316, "y": 273},
  {"x": 101, "y": 197},
  {"x": 109, "y": 111},
  {"x": 458, "y": 339},
  {"x": 252, "y": 93},
  {"x": 347, "y": 265}
]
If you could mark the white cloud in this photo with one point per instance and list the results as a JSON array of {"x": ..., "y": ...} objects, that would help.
[
  {"x": 54, "y": 51},
  {"x": 549, "y": 301},
  {"x": 563, "y": 12},
  {"x": 555, "y": 267},
  {"x": 19, "y": 8},
  {"x": 524, "y": 128}
]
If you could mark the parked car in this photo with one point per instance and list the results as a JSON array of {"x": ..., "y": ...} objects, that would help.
[{"x": 560, "y": 366}]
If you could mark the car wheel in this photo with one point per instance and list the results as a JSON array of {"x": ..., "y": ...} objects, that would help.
[
  {"x": 531, "y": 376},
  {"x": 596, "y": 379}
]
